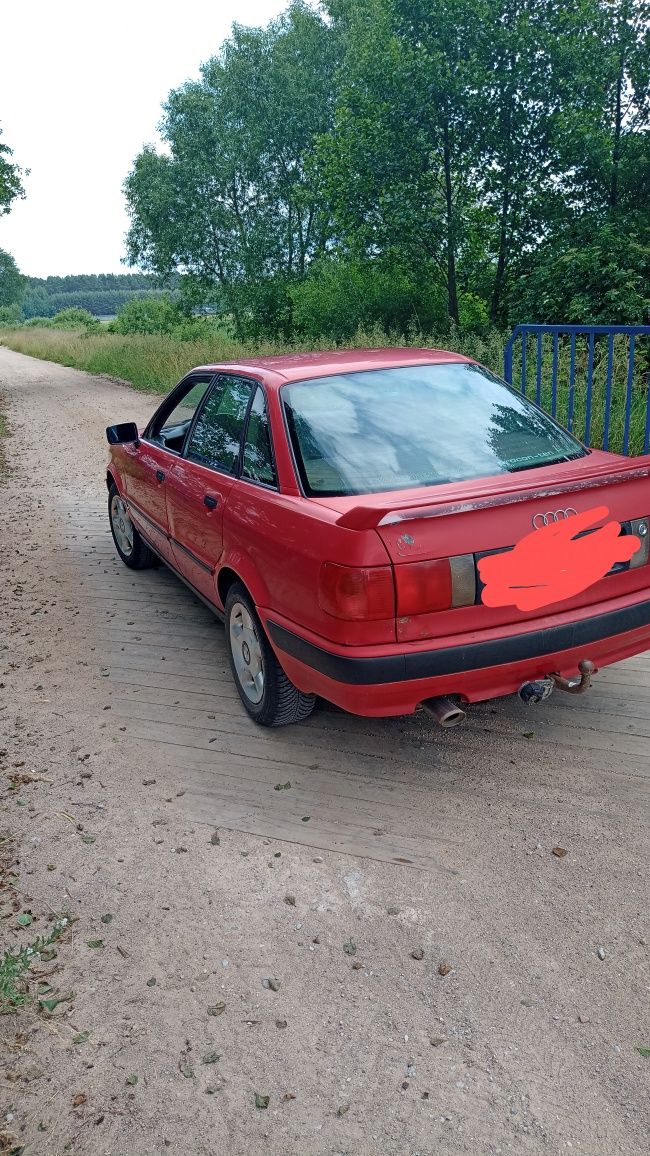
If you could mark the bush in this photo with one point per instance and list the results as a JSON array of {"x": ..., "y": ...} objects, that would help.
[
  {"x": 75, "y": 319},
  {"x": 10, "y": 316},
  {"x": 147, "y": 315},
  {"x": 40, "y": 322},
  {"x": 342, "y": 295}
]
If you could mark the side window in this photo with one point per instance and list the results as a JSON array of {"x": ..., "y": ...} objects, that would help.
[
  {"x": 170, "y": 426},
  {"x": 216, "y": 437},
  {"x": 258, "y": 457}
]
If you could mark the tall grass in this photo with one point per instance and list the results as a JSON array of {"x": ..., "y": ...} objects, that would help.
[{"x": 156, "y": 363}]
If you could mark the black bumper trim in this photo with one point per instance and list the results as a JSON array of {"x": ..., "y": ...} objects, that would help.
[{"x": 454, "y": 659}]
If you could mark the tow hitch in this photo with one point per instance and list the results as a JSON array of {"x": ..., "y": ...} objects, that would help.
[
  {"x": 534, "y": 692},
  {"x": 586, "y": 669}
]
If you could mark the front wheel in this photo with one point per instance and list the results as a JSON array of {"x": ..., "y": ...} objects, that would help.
[
  {"x": 131, "y": 548},
  {"x": 268, "y": 695}
]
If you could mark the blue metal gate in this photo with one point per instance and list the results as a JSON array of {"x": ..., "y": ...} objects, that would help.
[{"x": 595, "y": 379}]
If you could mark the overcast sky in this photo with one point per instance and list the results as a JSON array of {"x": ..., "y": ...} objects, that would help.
[{"x": 81, "y": 87}]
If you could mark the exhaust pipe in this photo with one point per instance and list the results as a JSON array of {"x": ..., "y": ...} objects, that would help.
[{"x": 444, "y": 710}]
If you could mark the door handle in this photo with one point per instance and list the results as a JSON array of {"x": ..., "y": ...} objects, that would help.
[
  {"x": 210, "y": 502},
  {"x": 160, "y": 474}
]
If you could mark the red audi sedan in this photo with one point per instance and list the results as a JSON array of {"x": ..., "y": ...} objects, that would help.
[{"x": 386, "y": 529}]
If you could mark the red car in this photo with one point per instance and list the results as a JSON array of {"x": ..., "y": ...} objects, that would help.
[{"x": 387, "y": 529}]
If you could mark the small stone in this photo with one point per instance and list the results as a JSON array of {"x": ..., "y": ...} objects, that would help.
[
  {"x": 601, "y": 952},
  {"x": 444, "y": 969},
  {"x": 271, "y": 983},
  {"x": 214, "y": 839},
  {"x": 559, "y": 852},
  {"x": 318, "y": 859},
  {"x": 291, "y": 900},
  {"x": 583, "y": 1019},
  {"x": 527, "y": 1002},
  {"x": 417, "y": 953},
  {"x": 280, "y": 1024},
  {"x": 148, "y": 782},
  {"x": 342, "y": 1109},
  {"x": 393, "y": 911},
  {"x": 437, "y": 1041}
]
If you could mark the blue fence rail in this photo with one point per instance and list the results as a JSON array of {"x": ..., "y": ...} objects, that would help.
[{"x": 595, "y": 379}]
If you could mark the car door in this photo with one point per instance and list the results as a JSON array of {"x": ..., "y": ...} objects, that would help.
[
  {"x": 149, "y": 460},
  {"x": 199, "y": 483}
]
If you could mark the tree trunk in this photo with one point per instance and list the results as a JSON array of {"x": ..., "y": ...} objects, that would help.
[
  {"x": 618, "y": 130},
  {"x": 452, "y": 292}
]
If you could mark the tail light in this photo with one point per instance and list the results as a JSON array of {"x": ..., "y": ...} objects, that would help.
[
  {"x": 439, "y": 584},
  {"x": 357, "y": 593},
  {"x": 640, "y": 527}
]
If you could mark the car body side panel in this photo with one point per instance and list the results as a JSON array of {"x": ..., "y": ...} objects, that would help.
[
  {"x": 276, "y": 543},
  {"x": 196, "y": 531}
]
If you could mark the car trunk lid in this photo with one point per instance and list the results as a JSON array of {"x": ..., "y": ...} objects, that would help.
[{"x": 473, "y": 519}]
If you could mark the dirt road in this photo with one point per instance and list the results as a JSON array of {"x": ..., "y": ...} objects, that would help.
[{"x": 395, "y": 849}]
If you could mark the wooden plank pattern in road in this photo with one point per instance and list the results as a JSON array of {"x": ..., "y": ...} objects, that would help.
[{"x": 366, "y": 787}]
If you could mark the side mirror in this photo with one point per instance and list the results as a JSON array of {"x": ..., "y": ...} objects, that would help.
[{"x": 117, "y": 435}]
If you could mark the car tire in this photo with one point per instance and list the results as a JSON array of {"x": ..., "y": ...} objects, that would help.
[
  {"x": 269, "y": 697},
  {"x": 129, "y": 544}
]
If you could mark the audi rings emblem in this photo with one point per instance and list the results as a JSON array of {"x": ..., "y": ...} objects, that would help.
[{"x": 552, "y": 516}]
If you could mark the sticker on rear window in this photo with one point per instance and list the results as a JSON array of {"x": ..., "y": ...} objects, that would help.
[{"x": 552, "y": 563}]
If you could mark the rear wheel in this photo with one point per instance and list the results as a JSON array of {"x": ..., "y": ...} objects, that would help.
[
  {"x": 131, "y": 548},
  {"x": 268, "y": 695}
]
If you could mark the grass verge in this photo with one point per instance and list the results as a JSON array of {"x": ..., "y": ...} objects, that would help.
[{"x": 156, "y": 362}]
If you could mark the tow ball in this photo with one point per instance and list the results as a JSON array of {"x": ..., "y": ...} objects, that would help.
[
  {"x": 586, "y": 669},
  {"x": 534, "y": 692}
]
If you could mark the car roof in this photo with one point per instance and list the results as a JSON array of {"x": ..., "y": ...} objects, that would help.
[{"x": 276, "y": 370}]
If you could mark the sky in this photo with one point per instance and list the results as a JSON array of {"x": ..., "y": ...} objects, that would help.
[{"x": 81, "y": 89}]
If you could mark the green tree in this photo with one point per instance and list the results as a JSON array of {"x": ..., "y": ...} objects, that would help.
[
  {"x": 11, "y": 185},
  {"x": 12, "y": 283},
  {"x": 231, "y": 202}
]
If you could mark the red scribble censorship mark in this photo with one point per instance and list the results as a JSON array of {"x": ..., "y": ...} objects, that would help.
[{"x": 553, "y": 564}]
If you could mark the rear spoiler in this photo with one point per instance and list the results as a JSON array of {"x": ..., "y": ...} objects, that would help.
[{"x": 370, "y": 517}]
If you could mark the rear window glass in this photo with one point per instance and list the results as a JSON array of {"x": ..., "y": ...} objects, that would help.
[{"x": 421, "y": 425}]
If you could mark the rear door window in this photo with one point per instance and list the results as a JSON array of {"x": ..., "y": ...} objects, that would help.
[
  {"x": 257, "y": 463},
  {"x": 216, "y": 437}
]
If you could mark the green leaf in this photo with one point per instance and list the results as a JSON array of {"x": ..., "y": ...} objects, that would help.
[
  {"x": 88, "y": 838},
  {"x": 81, "y": 1038},
  {"x": 25, "y": 920},
  {"x": 261, "y": 1101},
  {"x": 107, "y": 918},
  {"x": 95, "y": 943},
  {"x": 151, "y": 982},
  {"x": 645, "y": 1052},
  {"x": 211, "y": 1058},
  {"x": 350, "y": 948},
  {"x": 131, "y": 1080},
  {"x": 50, "y": 1004}
]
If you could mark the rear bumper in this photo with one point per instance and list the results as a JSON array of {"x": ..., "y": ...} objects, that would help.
[{"x": 394, "y": 680}]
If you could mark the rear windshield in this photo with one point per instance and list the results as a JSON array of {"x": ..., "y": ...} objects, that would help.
[{"x": 422, "y": 425}]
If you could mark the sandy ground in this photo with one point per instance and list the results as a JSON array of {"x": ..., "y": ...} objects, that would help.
[{"x": 528, "y": 1044}]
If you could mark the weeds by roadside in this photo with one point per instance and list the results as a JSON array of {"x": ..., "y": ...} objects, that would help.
[
  {"x": 155, "y": 362},
  {"x": 15, "y": 989}
]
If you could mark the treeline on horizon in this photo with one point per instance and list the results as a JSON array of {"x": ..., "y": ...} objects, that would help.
[
  {"x": 102, "y": 294},
  {"x": 417, "y": 164}
]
